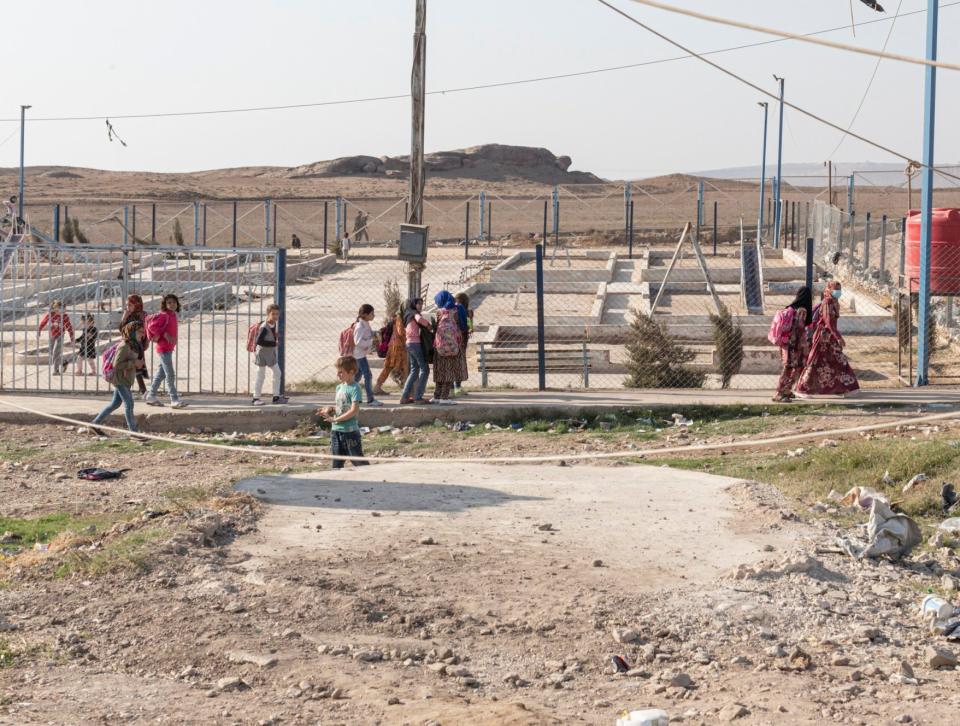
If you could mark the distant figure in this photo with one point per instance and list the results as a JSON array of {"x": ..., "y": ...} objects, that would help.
[
  {"x": 295, "y": 242},
  {"x": 11, "y": 217},
  {"x": 345, "y": 246},
  {"x": 360, "y": 227},
  {"x": 791, "y": 337}
]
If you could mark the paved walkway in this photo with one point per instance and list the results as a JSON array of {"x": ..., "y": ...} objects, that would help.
[{"x": 236, "y": 414}]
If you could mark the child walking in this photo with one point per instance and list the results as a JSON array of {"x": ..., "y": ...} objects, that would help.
[
  {"x": 396, "y": 359},
  {"x": 124, "y": 370},
  {"x": 268, "y": 341},
  {"x": 417, "y": 364},
  {"x": 59, "y": 323},
  {"x": 162, "y": 329},
  {"x": 344, "y": 427},
  {"x": 465, "y": 323},
  {"x": 364, "y": 343},
  {"x": 134, "y": 314},
  {"x": 86, "y": 344}
]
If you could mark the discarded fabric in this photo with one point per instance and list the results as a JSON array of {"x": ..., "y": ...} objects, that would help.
[
  {"x": 862, "y": 497},
  {"x": 98, "y": 474},
  {"x": 888, "y": 534},
  {"x": 646, "y": 717}
]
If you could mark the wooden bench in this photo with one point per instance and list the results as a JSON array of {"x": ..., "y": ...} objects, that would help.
[{"x": 569, "y": 359}]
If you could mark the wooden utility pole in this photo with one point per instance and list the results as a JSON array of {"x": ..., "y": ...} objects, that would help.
[{"x": 417, "y": 94}]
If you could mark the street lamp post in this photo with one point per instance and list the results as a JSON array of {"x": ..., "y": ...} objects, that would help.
[
  {"x": 779, "y": 181},
  {"x": 763, "y": 171},
  {"x": 23, "y": 112}
]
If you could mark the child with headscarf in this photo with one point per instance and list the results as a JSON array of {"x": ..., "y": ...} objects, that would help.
[
  {"x": 828, "y": 371},
  {"x": 448, "y": 344},
  {"x": 794, "y": 353},
  {"x": 135, "y": 314}
]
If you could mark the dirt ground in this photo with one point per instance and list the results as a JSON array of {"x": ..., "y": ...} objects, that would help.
[{"x": 229, "y": 587}]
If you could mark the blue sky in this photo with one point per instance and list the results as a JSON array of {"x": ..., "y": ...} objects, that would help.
[{"x": 104, "y": 57}]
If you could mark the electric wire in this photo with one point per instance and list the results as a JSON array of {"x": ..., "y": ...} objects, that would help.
[
  {"x": 797, "y": 36},
  {"x": 873, "y": 77},
  {"x": 460, "y": 89},
  {"x": 765, "y": 92}
]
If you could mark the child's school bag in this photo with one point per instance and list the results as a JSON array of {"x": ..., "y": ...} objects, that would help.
[
  {"x": 781, "y": 327},
  {"x": 386, "y": 335},
  {"x": 107, "y": 368},
  {"x": 252, "y": 332},
  {"x": 446, "y": 341},
  {"x": 154, "y": 325},
  {"x": 347, "y": 344}
]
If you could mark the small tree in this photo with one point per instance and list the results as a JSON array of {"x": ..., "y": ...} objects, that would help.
[
  {"x": 78, "y": 233},
  {"x": 177, "y": 237},
  {"x": 67, "y": 232},
  {"x": 654, "y": 360},
  {"x": 392, "y": 300},
  {"x": 728, "y": 340}
]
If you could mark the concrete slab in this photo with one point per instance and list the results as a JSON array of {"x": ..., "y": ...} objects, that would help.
[{"x": 643, "y": 523}]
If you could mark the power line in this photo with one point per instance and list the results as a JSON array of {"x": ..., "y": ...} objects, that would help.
[
  {"x": 873, "y": 77},
  {"x": 765, "y": 92},
  {"x": 795, "y": 36},
  {"x": 461, "y": 89}
]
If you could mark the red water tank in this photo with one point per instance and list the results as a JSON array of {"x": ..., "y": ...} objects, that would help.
[{"x": 944, "y": 252}]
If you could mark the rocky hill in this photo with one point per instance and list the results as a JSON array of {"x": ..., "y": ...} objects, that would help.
[{"x": 489, "y": 162}]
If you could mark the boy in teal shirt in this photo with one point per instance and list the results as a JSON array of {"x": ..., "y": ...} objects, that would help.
[{"x": 344, "y": 427}]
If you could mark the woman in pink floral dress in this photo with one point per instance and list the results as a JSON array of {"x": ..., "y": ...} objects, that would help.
[{"x": 828, "y": 371}]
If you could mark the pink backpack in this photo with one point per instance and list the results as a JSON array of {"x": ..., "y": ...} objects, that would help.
[
  {"x": 252, "y": 332},
  {"x": 781, "y": 327},
  {"x": 347, "y": 344},
  {"x": 154, "y": 326},
  {"x": 107, "y": 368},
  {"x": 446, "y": 341}
]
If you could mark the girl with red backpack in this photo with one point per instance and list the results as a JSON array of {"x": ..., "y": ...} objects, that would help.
[
  {"x": 162, "y": 330},
  {"x": 447, "y": 345},
  {"x": 790, "y": 334},
  {"x": 124, "y": 364}
]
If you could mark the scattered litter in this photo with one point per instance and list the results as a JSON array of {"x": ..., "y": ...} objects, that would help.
[
  {"x": 364, "y": 430},
  {"x": 605, "y": 426},
  {"x": 936, "y": 608},
  {"x": 384, "y": 429},
  {"x": 492, "y": 427},
  {"x": 888, "y": 534},
  {"x": 794, "y": 453},
  {"x": 862, "y": 497},
  {"x": 9, "y": 537},
  {"x": 620, "y": 664},
  {"x": 461, "y": 426},
  {"x": 646, "y": 717},
  {"x": 913, "y": 482},
  {"x": 41, "y": 547},
  {"x": 829, "y": 444},
  {"x": 680, "y": 420},
  {"x": 886, "y": 479},
  {"x": 948, "y": 495},
  {"x": 516, "y": 426},
  {"x": 647, "y": 421},
  {"x": 98, "y": 474},
  {"x": 951, "y": 525}
]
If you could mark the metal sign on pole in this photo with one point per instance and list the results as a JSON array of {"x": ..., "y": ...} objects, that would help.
[{"x": 926, "y": 195}]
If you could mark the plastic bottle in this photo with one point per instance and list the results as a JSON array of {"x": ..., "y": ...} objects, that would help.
[
  {"x": 646, "y": 717},
  {"x": 939, "y": 607}
]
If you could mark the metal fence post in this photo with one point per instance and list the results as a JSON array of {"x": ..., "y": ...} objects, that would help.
[
  {"x": 809, "y": 266},
  {"x": 853, "y": 238},
  {"x": 204, "y": 224},
  {"x": 490, "y": 221},
  {"x": 630, "y": 232},
  {"x": 883, "y": 247},
  {"x": 153, "y": 222},
  {"x": 326, "y": 225},
  {"x": 56, "y": 222},
  {"x": 483, "y": 365},
  {"x": 466, "y": 233},
  {"x": 903, "y": 243},
  {"x": 280, "y": 298},
  {"x": 715, "y": 229},
  {"x": 627, "y": 202},
  {"x": 133, "y": 222},
  {"x": 586, "y": 365},
  {"x": 483, "y": 211},
  {"x": 556, "y": 215},
  {"x": 233, "y": 233},
  {"x": 126, "y": 224},
  {"x": 850, "y": 195},
  {"x": 337, "y": 227},
  {"x": 541, "y": 352},
  {"x": 266, "y": 222},
  {"x": 866, "y": 244},
  {"x": 196, "y": 224},
  {"x": 276, "y": 222}
]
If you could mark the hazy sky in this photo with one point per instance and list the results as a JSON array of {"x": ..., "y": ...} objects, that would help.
[{"x": 107, "y": 58}]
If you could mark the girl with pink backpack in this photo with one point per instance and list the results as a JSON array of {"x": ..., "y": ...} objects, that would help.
[{"x": 788, "y": 331}]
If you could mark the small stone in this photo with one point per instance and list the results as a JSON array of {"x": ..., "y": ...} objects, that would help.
[
  {"x": 393, "y": 701},
  {"x": 776, "y": 651},
  {"x": 234, "y": 607},
  {"x": 937, "y": 657},
  {"x": 598, "y": 563},
  {"x": 600, "y": 703},
  {"x": 903, "y": 718},
  {"x": 545, "y": 527},
  {"x": 232, "y": 683},
  {"x": 469, "y": 682},
  {"x": 840, "y": 660},
  {"x": 427, "y": 541},
  {"x": 438, "y": 668},
  {"x": 290, "y": 633},
  {"x": 262, "y": 661},
  {"x": 337, "y": 693},
  {"x": 733, "y": 711},
  {"x": 368, "y": 656},
  {"x": 906, "y": 670},
  {"x": 681, "y": 680},
  {"x": 625, "y": 635}
]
